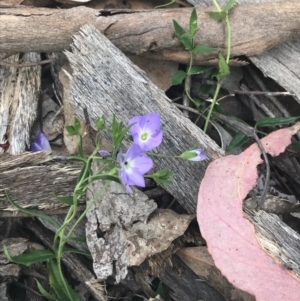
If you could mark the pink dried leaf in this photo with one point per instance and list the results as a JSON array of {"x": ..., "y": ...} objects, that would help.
[{"x": 230, "y": 236}]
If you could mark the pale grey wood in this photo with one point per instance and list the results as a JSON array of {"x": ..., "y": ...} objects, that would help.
[
  {"x": 107, "y": 83},
  {"x": 18, "y": 101}
]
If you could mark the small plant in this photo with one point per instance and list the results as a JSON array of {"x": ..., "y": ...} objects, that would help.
[
  {"x": 187, "y": 40},
  {"x": 126, "y": 168}
]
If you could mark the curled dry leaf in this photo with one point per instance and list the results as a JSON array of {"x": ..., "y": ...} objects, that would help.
[
  {"x": 230, "y": 236},
  {"x": 162, "y": 228}
]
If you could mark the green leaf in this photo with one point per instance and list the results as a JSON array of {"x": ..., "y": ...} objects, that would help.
[
  {"x": 77, "y": 158},
  {"x": 161, "y": 177},
  {"x": 33, "y": 213},
  {"x": 44, "y": 292},
  {"x": 74, "y": 130},
  {"x": 199, "y": 69},
  {"x": 193, "y": 23},
  {"x": 203, "y": 49},
  {"x": 65, "y": 199},
  {"x": 100, "y": 123},
  {"x": 29, "y": 258},
  {"x": 78, "y": 238},
  {"x": 179, "y": 31},
  {"x": 220, "y": 15},
  {"x": 187, "y": 41},
  {"x": 229, "y": 6},
  {"x": 59, "y": 284},
  {"x": 105, "y": 177},
  {"x": 237, "y": 142},
  {"x": 178, "y": 77},
  {"x": 275, "y": 121},
  {"x": 72, "y": 250},
  {"x": 223, "y": 67}
]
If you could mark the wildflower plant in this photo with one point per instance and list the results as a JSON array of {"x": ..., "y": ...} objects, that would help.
[{"x": 128, "y": 168}]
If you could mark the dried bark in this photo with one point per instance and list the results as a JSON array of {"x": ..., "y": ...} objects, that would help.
[{"x": 149, "y": 33}]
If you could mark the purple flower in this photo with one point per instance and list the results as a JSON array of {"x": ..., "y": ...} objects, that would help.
[
  {"x": 194, "y": 155},
  {"x": 146, "y": 131},
  {"x": 134, "y": 164},
  {"x": 41, "y": 143},
  {"x": 103, "y": 153}
]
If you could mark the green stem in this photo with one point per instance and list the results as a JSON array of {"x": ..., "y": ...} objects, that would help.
[
  {"x": 161, "y": 156},
  {"x": 63, "y": 278},
  {"x": 217, "y": 5},
  {"x": 212, "y": 105},
  {"x": 87, "y": 209}
]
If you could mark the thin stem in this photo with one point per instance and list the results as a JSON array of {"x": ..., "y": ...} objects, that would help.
[
  {"x": 87, "y": 209},
  {"x": 63, "y": 278},
  {"x": 217, "y": 5},
  {"x": 161, "y": 156},
  {"x": 228, "y": 29},
  {"x": 212, "y": 105}
]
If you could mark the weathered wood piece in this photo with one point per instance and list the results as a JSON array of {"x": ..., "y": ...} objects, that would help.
[
  {"x": 150, "y": 32},
  {"x": 107, "y": 83},
  {"x": 21, "y": 91},
  {"x": 281, "y": 63},
  {"x": 33, "y": 186}
]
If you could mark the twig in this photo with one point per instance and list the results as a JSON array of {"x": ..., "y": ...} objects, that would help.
[{"x": 7, "y": 64}]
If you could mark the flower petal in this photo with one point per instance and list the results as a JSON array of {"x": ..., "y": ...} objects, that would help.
[
  {"x": 142, "y": 164},
  {"x": 41, "y": 143},
  {"x": 137, "y": 179},
  {"x": 133, "y": 152},
  {"x": 152, "y": 142},
  {"x": 150, "y": 121},
  {"x": 136, "y": 124}
]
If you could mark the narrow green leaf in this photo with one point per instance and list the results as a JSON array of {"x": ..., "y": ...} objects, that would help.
[
  {"x": 78, "y": 238},
  {"x": 179, "y": 31},
  {"x": 221, "y": 15},
  {"x": 178, "y": 77},
  {"x": 237, "y": 142},
  {"x": 33, "y": 213},
  {"x": 276, "y": 121},
  {"x": 65, "y": 199},
  {"x": 44, "y": 292},
  {"x": 105, "y": 177},
  {"x": 77, "y": 158},
  {"x": 193, "y": 23},
  {"x": 60, "y": 286},
  {"x": 71, "y": 130},
  {"x": 229, "y": 5},
  {"x": 77, "y": 124},
  {"x": 100, "y": 123},
  {"x": 29, "y": 258},
  {"x": 199, "y": 69},
  {"x": 72, "y": 250},
  {"x": 203, "y": 49},
  {"x": 187, "y": 41},
  {"x": 223, "y": 67}
]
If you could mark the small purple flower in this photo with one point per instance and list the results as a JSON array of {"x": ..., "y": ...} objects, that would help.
[
  {"x": 103, "y": 153},
  {"x": 134, "y": 164},
  {"x": 194, "y": 155},
  {"x": 41, "y": 143},
  {"x": 146, "y": 131}
]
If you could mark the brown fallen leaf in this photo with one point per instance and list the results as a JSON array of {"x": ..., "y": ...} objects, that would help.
[{"x": 230, "y": 236}]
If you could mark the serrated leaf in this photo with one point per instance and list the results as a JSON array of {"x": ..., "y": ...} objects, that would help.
[
  {"x": 193, "y": 22},
  {"x": 229, "y": 5},
  {"x": 276, "y": 121},
  {"x": 220, "y": 15},
  {"x": 178, "y": 77},
  {"x": 33, "y": 212},
  {"x": 44, "y": 292},
  {"x": 223, "y": 67},
  {"x": 203, "y": 49},
  {"x": 60, "y": 286},
  {"x": 237, "y": 142},
  {"x": 179, "y": 31},
  {"x": 187, "y": 41},
  {"x": 29, "y": 258},
  {"x": 199, "y": 69}
]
